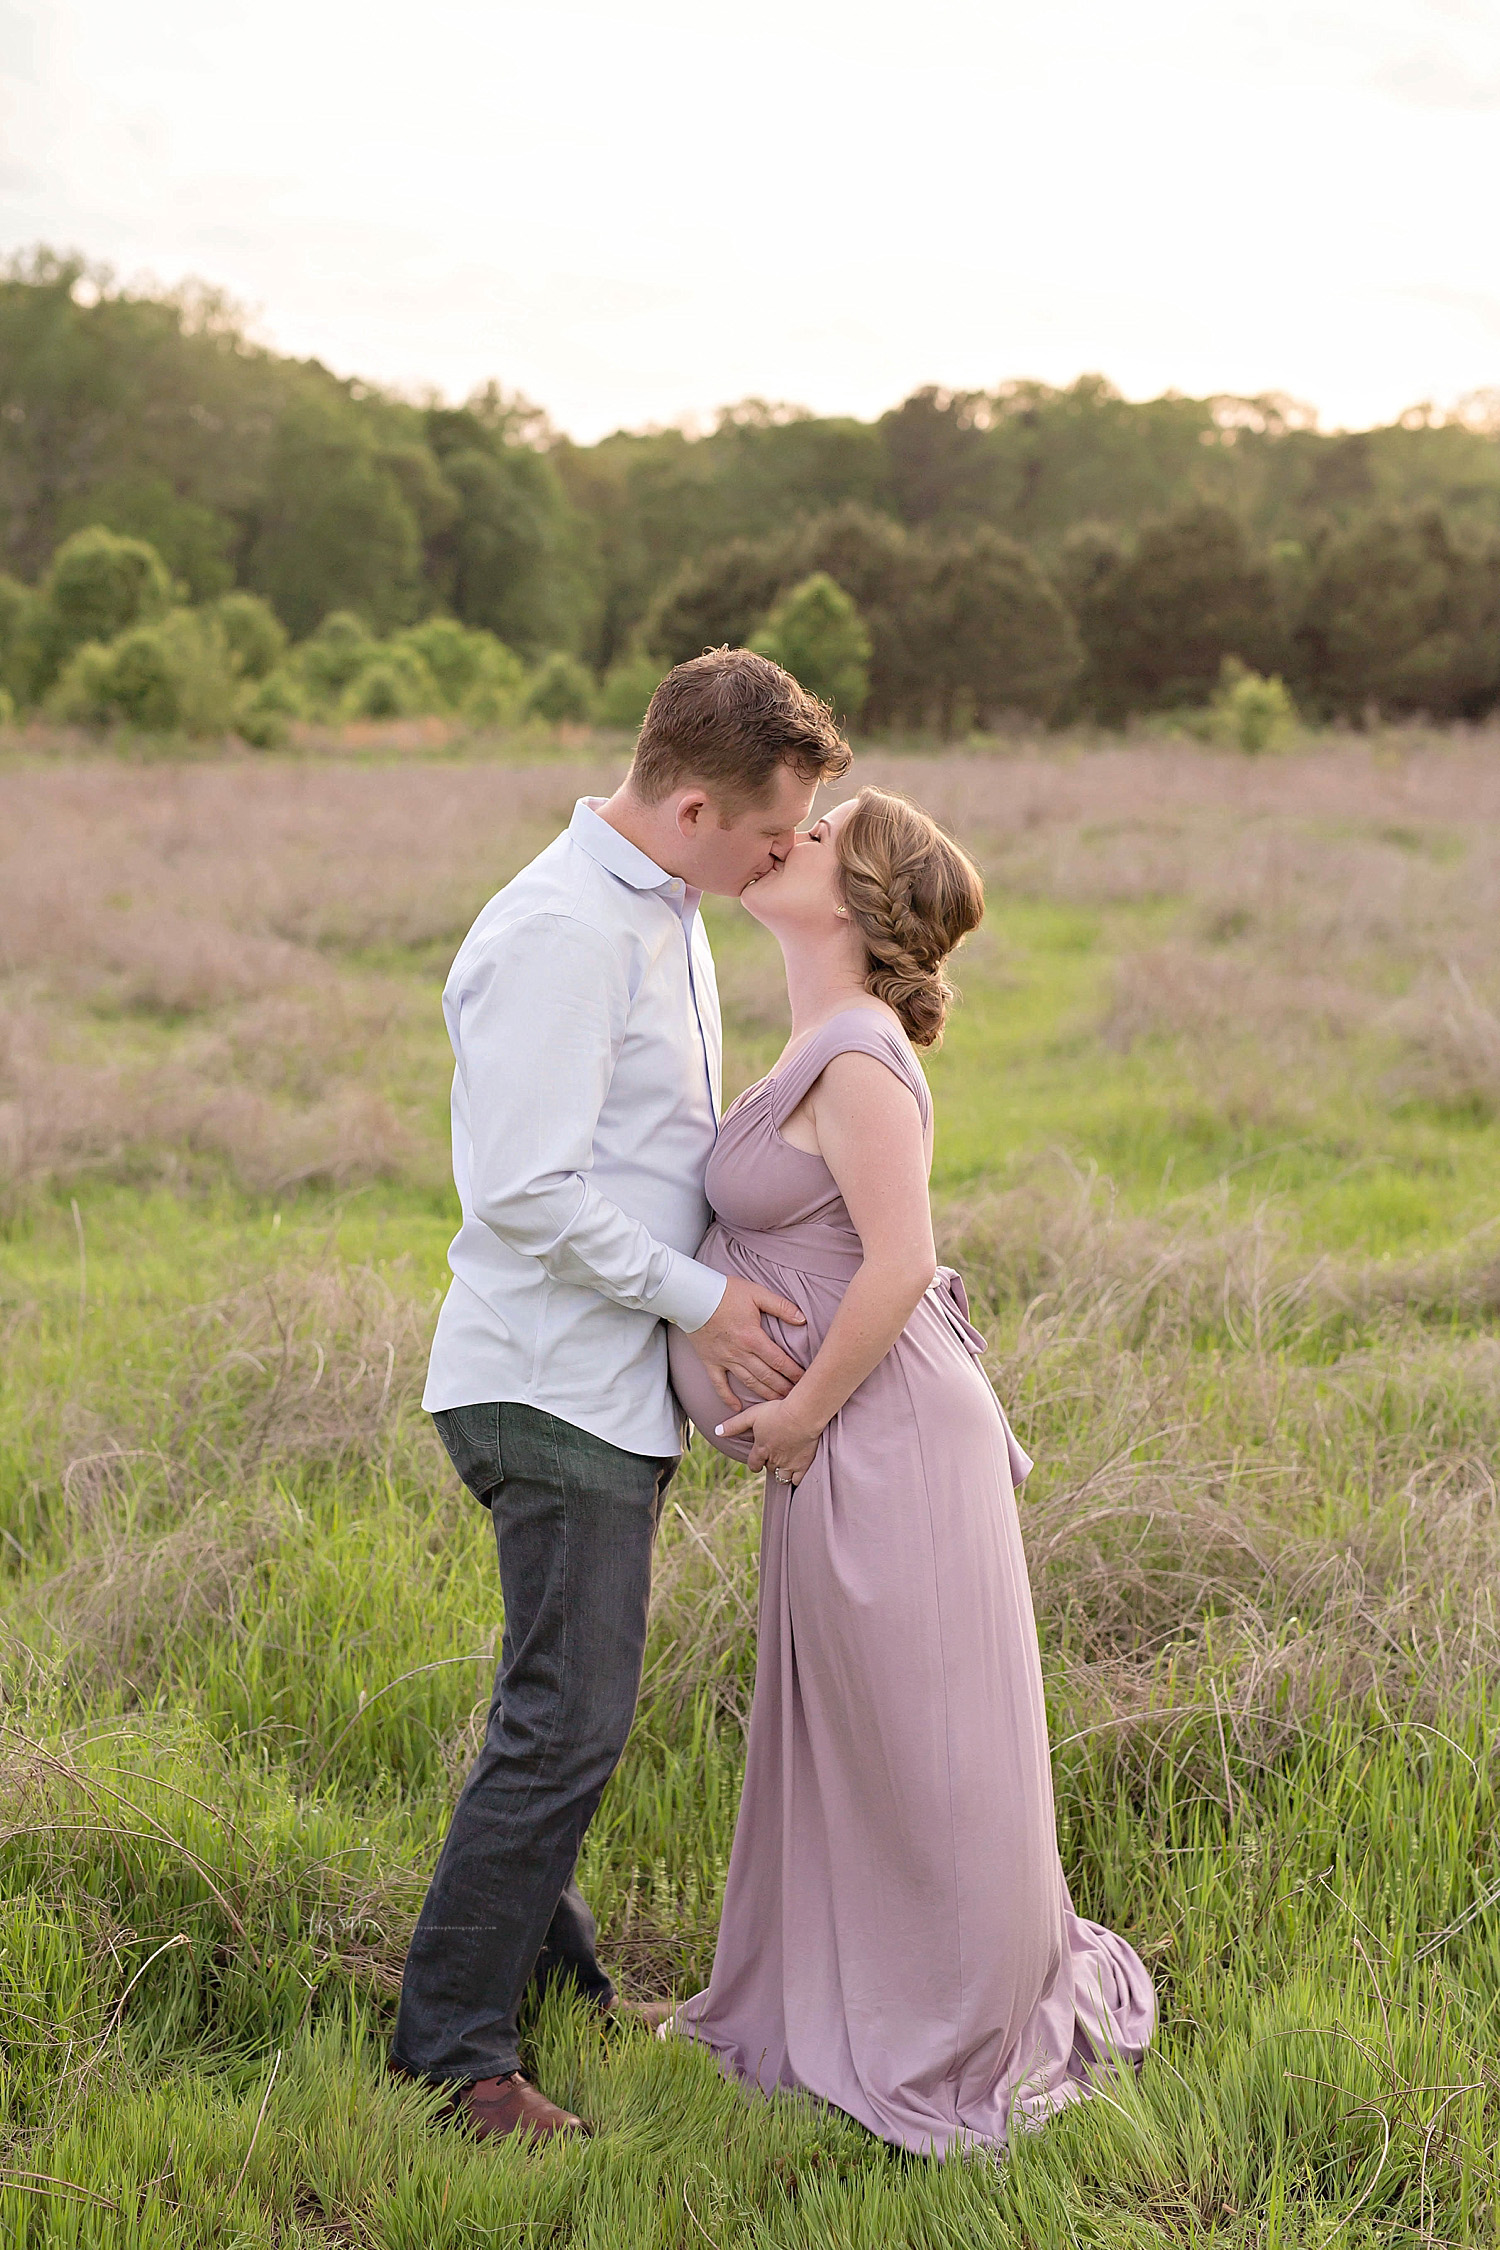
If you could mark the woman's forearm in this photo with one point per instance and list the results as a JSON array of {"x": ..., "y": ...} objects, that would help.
[{"x": 877, "y": 1305}]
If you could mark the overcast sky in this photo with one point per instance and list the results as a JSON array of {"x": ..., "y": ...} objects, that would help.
[{"x": 635, "y": 210}]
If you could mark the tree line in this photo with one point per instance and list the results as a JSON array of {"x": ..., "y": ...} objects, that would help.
[{"x": 270, "y": 539}]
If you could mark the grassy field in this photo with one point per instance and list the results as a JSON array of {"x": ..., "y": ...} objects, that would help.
[{"x": 1219, "y": 1152}]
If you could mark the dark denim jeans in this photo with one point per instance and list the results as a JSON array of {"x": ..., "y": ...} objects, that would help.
[{"x": 574, "y": 1524}]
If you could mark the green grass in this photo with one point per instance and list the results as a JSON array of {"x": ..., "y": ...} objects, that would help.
[{"x": 1244, "y": 1311}]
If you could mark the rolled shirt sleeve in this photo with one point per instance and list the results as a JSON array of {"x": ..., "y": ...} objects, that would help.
[{"x": 538, "y": 1025}]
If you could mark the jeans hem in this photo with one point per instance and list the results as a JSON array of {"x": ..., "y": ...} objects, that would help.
[{"x": 454, "y": 2077}]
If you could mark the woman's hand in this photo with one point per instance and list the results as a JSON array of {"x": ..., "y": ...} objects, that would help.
[{"x": 782, "y": 1439}]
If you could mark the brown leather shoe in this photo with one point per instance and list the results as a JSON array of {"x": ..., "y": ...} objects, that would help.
[
  {"x": 652, "y": 2014},
  {"x": 494, "y": 2107}
]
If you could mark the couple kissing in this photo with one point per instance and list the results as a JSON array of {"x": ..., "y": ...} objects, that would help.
[{"x": 897, "y": 1937}]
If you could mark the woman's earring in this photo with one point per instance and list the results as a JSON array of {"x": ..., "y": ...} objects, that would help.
[{"x": 843, "y": 910}]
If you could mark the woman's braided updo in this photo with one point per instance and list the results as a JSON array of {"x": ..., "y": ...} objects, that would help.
[{"x": 912, "y": 894}]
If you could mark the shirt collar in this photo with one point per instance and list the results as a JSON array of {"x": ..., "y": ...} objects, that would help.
[{"x": 618, "y": 856}]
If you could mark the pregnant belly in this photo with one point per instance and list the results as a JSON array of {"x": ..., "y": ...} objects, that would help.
[{"x": 696, "y": 1395}]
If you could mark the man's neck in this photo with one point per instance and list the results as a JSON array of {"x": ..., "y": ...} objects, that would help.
[{"x": 640, "y": 825}]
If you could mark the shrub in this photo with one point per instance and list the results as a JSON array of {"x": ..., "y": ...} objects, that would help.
[
  {"x": 494, "y": 703},
  {"x": 173, "y": 676},
  {"x": 560, "y": 690},
  {"x": 99, "y": 584},
  {"x": 343, "y": 671},
  {"x": 334, "y": 656},
  {"x": 1252, "y": 712},
  {"x": 254, "y": 632},
  {"x": 395, "y": 684},
  {"x": 466, "y": 663},
  {"x": 1247, "y": 712},
  {"x": 816, "y": 633},
  {"x": 7, "y": 707},
  {"x": 267, "y": 707}
]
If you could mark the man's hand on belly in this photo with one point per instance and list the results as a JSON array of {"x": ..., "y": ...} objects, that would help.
[{"x": 741, "y": 1359}]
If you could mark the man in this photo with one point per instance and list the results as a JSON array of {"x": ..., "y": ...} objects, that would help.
[{"x": 585, "y": 1027}]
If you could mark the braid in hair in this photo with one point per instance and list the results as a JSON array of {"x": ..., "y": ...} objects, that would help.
[{"x": 912, "y": 894}]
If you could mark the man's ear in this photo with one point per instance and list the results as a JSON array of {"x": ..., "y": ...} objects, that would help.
[{"x": 690, "y": 810}]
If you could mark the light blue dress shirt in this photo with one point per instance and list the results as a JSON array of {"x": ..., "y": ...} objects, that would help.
[{"x": 584, "y": 1019}]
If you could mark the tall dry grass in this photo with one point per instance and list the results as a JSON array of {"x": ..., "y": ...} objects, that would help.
[{"x": 236, "y": 963}]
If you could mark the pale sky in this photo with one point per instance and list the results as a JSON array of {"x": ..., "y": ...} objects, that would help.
[{"x": 637, "y": 211}]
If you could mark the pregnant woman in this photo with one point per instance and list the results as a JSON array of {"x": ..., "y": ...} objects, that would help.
[{"x": 897, "y": 1935}]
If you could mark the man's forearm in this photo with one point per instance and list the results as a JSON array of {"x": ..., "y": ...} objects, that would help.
[{"x": 578, "y": 1235}]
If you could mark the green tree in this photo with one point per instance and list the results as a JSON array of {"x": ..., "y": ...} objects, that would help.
[
  {"x": 659, "y": 501},
  {"x": 720, "y": 600},
  {"x": 1060, "y": 458},
  {"x": 1159, "y": 619},
  {"x": 337, "y": 530},
  {"x": 150, "y": 406},
  {"x": 953, "y": 618},
  {"x": 994, "y": 635},
  {"x": 941, "y": 464},
  {"x": 1403, "y": 616},
  {"x": 816, "y": 633},
  {"x": 880, "y": 568},
  {"x": 155, "y": 416},
  {"x": 193, "y": 541},
  {"x": 511, "y": 560}
]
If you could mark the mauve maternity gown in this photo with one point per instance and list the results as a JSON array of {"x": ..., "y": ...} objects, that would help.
[{"x": 897, "y": 1935}]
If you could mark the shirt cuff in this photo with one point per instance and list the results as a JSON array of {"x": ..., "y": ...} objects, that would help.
[{"x": 690, "y": 1294}]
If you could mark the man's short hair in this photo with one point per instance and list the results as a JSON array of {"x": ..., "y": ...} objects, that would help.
[{"x": 728, "y": 719}]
